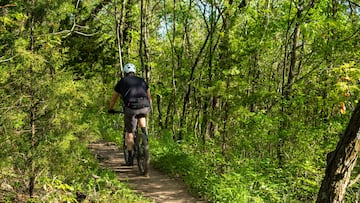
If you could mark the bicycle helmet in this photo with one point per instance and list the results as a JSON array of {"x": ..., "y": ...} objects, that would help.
[{"x": 129, "y": 67}]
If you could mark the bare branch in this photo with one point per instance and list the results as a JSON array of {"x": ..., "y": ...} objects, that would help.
[
  {"x": 353, "y": 3},
  {"x": 85, "y": 34},
  {"x": 6, "y": 60},
  {"x": 18, "y": 132},
  {"x": 8, "y": 5}
]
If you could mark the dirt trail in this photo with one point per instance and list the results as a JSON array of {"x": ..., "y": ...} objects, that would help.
[{"x": 158, "y": 187}]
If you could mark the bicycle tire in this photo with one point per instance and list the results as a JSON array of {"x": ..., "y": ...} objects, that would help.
[
  {"x": 126, "y": 155},
  {"x": 143, "y": 160}
]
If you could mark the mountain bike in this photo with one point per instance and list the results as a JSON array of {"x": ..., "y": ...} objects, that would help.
[{"x": 140, "y": 151}]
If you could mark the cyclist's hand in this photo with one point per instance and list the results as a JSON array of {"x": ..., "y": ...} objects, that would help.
[{"x": 111, "y": 111}]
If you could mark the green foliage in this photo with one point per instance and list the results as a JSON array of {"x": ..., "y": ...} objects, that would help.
[
  {"x": 66, "y": 168},
  {"x": 194, "y": 169},
  {"x": 94, "y": 185},
  {"x": 249, "y": 135},
  {"x": 242, "y": 177}
]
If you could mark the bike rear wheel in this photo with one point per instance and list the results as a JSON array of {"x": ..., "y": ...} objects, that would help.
[
  {"x": 143, "y": 158},
  {"x": 126, "y": 153}
]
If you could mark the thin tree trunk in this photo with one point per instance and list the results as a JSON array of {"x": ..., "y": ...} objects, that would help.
[
  {"x": 173, "y": 60},
  {"x": 142, "y": 27},
  {"x": 169, "y": 116},
  {"x": 254, "y": 75},
  {"x": 118, "y": 20},
  {"x": 128, "y": 26},
  {"x": 146, "y": 48},
  {"x": 32, "y": 105},
  {"x": 293, "y": 58},
  {"x": 211, "y": 126},
  {"x": 224, "y": 137},
  {"x": 172, "y": 101},
  {"x": 187, "y": 95},
  {"x": 225, "y": 59},
  {"x": 158, "y": 100},
  {"x": 206, "y": 122},
  {"x": 287, "y": 87}
]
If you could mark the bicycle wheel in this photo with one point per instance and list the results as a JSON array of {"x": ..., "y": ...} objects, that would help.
[
  {"x": 143, "y": 160},
  {"x": 126, "y": 153}
]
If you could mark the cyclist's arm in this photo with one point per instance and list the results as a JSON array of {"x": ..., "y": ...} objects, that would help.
[{"x": 114, "y": 97}]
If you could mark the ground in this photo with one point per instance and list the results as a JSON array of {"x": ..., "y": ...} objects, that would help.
[{"x": 157, "y": 187}]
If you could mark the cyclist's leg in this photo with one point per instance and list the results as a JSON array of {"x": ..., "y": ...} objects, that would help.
[
  {"x": 142, "y": 119},
  {"x": 130, "y": 126},
  {"x": 129, "y": 141},
  {"x": 142, "y": 124},
  {"x": 129, "y": 146}
]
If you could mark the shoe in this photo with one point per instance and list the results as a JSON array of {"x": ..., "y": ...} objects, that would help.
[{"x": 130, "y": 159}]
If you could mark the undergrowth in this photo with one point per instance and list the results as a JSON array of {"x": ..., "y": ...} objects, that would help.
[
  {"x": 201, "y": 179},
  {"x": 237, "y": 178}
]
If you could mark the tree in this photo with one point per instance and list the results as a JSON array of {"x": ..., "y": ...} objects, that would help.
[
  {"x": 341, "y": 162},
  {"x": 32, "y": 102}
]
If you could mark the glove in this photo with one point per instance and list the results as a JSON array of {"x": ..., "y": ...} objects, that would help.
[{"x": 111, "y": 111}]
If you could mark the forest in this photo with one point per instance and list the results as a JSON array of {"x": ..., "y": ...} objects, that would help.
[{"x": 253, "y": 100}]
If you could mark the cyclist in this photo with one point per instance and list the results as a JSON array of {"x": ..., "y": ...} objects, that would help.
[{"x": 137, "y": 102}]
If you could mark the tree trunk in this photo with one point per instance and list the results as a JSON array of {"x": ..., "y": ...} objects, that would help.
[
  {"x": 128, "y": 27},
  {"x": 172, "y": 101},
  {"x": 341, "y": 162},
  {"x": 158, "y": 100},
  {"x": 213, "y": 44},
  {"x": 32, "y": 105},
  {"x": 143, "y": 47},
  {"x": 118, "y": 19},
  {"x": 287, "y": 86},
  {"x": 187, "y": 95}
]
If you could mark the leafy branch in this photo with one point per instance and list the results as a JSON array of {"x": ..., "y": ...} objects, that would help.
[{"x": 75, "y": 25}]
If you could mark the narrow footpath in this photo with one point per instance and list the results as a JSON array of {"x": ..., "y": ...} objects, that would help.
[{"x": 158, "y": 187}]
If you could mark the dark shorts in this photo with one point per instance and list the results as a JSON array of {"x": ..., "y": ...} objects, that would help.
[{"x": 132, "y": 116}]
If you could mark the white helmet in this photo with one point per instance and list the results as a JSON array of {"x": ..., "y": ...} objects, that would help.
[{"x": 129, "y": 67}]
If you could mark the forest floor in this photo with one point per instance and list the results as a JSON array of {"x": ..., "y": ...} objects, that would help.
[{"x": 158, "y": 187}]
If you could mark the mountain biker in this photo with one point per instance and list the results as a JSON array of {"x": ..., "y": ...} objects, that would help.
[{"x": 137, "y": 102}]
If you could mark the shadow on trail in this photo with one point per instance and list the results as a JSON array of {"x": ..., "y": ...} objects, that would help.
[{"x": 157, "y": 187}]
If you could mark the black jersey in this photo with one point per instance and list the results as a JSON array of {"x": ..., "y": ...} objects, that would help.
[{"x": 133, "y": 90}]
